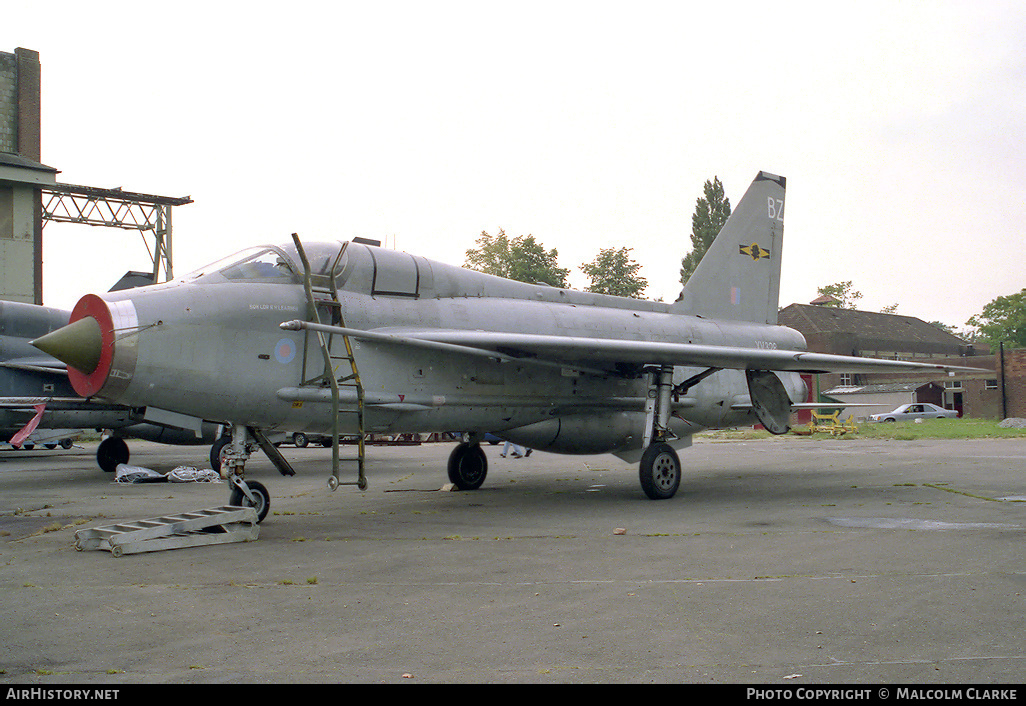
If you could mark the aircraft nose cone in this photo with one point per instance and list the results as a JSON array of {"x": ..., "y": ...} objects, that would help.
[{"x": 79, "y": 344}]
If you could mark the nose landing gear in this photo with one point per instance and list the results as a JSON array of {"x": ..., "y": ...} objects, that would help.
[{"x": 233, "y": 467}]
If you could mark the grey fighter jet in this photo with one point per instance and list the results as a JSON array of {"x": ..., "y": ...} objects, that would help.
[{"x": 348, "y": 338}]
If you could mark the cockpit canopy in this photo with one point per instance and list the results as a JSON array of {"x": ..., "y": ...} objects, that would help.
[{"x": 271, "y": 264}]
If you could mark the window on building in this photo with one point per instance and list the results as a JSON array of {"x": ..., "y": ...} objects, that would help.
[{"x": 990, "y": 384}]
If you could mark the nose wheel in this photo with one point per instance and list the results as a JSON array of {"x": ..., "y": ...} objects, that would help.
[
  {"x": 250, "y": 494},
  {"x": 111, "y": 451}
]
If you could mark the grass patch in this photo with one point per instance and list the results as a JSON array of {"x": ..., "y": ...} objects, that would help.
[
  {"x": 939, "y": 429},
  {"x": 736, "y": 434},
  {"x": 895, "y": 431}
]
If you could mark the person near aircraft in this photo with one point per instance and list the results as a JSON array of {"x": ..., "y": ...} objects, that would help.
[{"x": 518, "y": 450}]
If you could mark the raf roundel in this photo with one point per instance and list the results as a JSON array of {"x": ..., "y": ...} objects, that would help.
[{"x": 284, "y": 351}]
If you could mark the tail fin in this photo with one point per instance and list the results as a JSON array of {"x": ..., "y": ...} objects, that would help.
[{"x": 739, "y": 275}]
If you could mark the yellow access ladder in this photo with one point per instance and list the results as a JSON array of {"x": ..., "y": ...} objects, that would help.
[{"x": 322, "y": 296}]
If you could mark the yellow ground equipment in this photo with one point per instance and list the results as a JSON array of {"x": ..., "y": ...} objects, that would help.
[{"x": 828, "y": 424}]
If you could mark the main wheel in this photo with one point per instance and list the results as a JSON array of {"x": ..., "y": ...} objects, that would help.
[
  {"x": 468, "y": 466},
  {"x": 217, "y": 450},
  {"x": 660, "y": 471},
  {"x": 110, "y": 453},
  {"x": 263, "y": 504}
]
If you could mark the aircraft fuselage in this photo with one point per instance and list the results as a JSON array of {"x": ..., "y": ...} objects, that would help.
[{"x": 216, "y": 340}]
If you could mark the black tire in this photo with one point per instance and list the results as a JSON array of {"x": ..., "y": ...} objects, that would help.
[
  {"x": 217, "y": 451},
  {"x": 111, "y": 452},
  {"x": 660, "y": 472},
  {"x": 67, "y": 443},
  {"x": 468, "y": 466},
  {"x": 239, "y": 499},
  {"x": 300, "y": 440}
]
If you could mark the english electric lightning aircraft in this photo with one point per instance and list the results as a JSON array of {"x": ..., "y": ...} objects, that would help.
[{"x": 350, "y": 339}]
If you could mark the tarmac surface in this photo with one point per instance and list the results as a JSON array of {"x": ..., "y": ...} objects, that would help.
[{"x": 786, "y": 562}]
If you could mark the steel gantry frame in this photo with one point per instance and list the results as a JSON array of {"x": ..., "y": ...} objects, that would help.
[{"x": 116, "y": 208}]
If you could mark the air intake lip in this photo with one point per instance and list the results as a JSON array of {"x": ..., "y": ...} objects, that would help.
[{"x": 86, "y": 345}]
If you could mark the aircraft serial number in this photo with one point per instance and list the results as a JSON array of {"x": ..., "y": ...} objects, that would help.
[
  {"x": 769, "y": 345},
  {"x": 273, "y": 307}
]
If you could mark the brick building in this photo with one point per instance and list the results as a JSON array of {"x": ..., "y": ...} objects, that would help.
[
  {"x": 988, "y": 394},
  {"x": 21, "y": 178},
  {"x": 1000, "y": 394}
]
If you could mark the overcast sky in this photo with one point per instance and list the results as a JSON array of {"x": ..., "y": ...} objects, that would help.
[{"x": 899, "y": 126}]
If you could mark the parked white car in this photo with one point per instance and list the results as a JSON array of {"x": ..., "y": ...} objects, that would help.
[{"x": 918, "y": 410}]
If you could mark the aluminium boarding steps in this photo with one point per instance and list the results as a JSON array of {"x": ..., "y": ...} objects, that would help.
[
  {"x": 322, "y": 295},
  {"x": 217, "y": 525}
]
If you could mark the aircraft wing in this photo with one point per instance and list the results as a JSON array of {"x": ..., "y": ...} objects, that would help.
[{"x": 584, "y": 353}]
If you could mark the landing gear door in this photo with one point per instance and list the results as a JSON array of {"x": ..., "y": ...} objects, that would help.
[{"x": 769, "y": 400}]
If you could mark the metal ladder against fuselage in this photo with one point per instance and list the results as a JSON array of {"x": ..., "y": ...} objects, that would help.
[{"x": 322, "y": 295}]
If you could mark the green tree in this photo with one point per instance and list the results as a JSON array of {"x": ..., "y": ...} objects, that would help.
[
  {"x": 711, "y": 211},
  {"x": 614, "y": 272},
  {"x": 1003, "y": 320},
  {"x": 843, "y": 293},
  {"x": 521, "y": 258}
]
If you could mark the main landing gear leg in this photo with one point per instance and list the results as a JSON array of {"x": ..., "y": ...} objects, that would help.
[
  {"x": 659, "y": 471},
  {"x": 233, "y": 468},
  {"x": 468, "y": 464}
]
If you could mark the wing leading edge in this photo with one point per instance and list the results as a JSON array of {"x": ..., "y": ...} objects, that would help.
[{"x": 584, "y": 353}]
